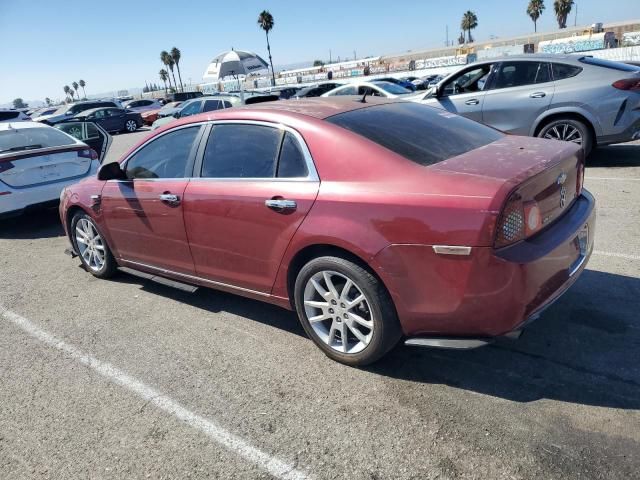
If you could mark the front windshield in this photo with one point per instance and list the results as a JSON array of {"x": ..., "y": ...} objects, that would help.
[{"x": 392, "y": 88}]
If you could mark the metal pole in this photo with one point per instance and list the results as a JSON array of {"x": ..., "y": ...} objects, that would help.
[{"x": 575, "y": 20}]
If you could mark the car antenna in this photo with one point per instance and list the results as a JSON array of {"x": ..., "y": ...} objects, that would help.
[{"x": 364, "y": 97}]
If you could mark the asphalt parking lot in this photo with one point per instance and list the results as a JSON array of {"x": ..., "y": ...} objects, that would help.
[{"x": 131, "y": 379}]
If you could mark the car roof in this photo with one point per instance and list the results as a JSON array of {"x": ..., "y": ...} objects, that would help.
[
  {"x": 320, "y": 108},
  {"x": 92, "y": 110},
  {"x": 20, "y": 125}
]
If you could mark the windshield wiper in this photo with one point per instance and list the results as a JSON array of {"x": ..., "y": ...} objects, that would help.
[{"x": 21, "y": 148}]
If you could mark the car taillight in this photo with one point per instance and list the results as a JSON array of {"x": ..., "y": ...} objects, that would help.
[
  {"x": 88, "y": 153},
  {"x": 511, "y": 226},
  {"x": 628, "y": 84}
]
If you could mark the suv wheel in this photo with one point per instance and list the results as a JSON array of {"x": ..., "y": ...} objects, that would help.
[{"x": 569, "y": 130}]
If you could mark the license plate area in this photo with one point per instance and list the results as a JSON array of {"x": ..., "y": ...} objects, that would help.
[{"x": 581, "y": 244}]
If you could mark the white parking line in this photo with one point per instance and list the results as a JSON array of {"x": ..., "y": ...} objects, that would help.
[
  {"x": 614, "y": 178},
  {"x": 617, "y": 255},
  {"x": 273, "y": 465}
]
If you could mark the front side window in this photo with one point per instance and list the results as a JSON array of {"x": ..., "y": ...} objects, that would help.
[
  {"x": 517, "y": 74},
  {"x": 99, "y": 114},
  {"x": 190, "y": 109},
  {"x": 211, "y": 105},
  {"x": 241, "y": 151},
  {"x": 165, "y": 157},
  {"x": 469, "y": 81}
]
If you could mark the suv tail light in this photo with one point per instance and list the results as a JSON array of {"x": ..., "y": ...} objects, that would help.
[
  {"x": 88, "y": 153},
  {"x": 628, "y": 84}
]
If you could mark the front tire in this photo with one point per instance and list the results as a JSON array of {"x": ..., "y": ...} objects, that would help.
[
  {"x": 94, "y": 253},
  {"x": 569, "y": 130},
  {"x": 346, "y": 311}
]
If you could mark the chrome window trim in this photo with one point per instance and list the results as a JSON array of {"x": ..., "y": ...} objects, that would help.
[{"x": 312, "y": 175}]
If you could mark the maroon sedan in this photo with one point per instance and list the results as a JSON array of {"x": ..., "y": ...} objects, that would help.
[{"x": 374, "y": 220}]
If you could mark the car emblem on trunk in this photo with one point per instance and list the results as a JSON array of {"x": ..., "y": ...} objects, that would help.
[
  {"x": 563, "y": 196},
  {"x": 561, "y": 178}
]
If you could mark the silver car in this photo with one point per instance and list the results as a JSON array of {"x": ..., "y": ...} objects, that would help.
[{"x": 576, "y": 98}]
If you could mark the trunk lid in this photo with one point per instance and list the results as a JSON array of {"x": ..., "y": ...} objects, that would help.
[{"x": 29, "y": 169}]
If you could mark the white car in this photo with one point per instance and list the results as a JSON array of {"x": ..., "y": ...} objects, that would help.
[
  {"x": 7, "y": 115},
  {"x": 374, "y": 88},
  {"x": 142, "y": 105},
  {"x": 37, "y": 161}
]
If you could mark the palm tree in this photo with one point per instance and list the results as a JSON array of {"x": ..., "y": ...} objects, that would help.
[
  {"x": 75, "y": 87},
  {"x": 82, "y": 84},
  {"x": 534, "y": 10},
  {"x": 175, "y": 54},
  {"x": 469, "y": 22},
  {"x": 47, "y": 101},
  {"x": 562, "y": 9},
  {"x": 169, "y": 62},
  {"x": 164, "y": 58},
  {"x": 67, "y": 90},
  {"x": 164, "y": 76},
  {"x": 265, "y": 21}
]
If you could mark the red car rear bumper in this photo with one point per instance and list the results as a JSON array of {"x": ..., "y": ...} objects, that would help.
[{"x": 490, "y": 292}]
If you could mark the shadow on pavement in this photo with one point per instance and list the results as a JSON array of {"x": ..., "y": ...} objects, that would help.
[
  {"x": 584, "y": 350},
  {"x": 32, "y": 224},
  {"x": 621, "y": 155}
]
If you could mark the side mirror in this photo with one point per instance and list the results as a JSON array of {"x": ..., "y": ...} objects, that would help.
[
  {"x": 68, "y": 112},
  {"x": 111, "y": 171},
  {"x": 176, "y": 115}
]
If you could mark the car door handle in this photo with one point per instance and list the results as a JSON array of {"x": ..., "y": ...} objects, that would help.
[
  {"x": 538, "y": 95},
  {"x": 473, "y": 101},
  {"x": 280, "y": 204},
  {"x": 170, "y": 198}
]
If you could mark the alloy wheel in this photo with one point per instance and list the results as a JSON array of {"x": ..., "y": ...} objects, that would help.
[
  {"x": 131, "y": 126},
  {"x": 90, "y": 244},
  {"x": 338, "y": 311},
  {"x": 565, "y": 132}
]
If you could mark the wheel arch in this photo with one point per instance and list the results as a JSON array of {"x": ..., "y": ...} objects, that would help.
[
  {"x": 309, "y": 252},
  {"x": 551, "y": 115}
]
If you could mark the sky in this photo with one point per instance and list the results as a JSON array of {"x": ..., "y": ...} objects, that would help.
[{"x": 115, "y": 44}]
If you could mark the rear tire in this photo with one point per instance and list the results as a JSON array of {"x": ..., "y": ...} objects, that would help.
[
  {"x": 335, "y": 297},
  {"x": 568, "y": 129},
  {"x": 94, "y": 253},
  {"x": 130, "y": 126}
]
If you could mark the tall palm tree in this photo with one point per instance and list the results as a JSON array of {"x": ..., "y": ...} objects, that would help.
[
  {"x": 47, "y": 101},
  {"x": 175, "y": 54},
  {"x": 75, "y": 87},
  {"x": 67, "y": 90},
  {"x": 163, "y": 76},
  {"x": 534, "y": 10},
  {"x": 265, "y": 21},
  {"x": 468, "y": 23},
  {"x": 164, "y": 58},
  {"x": 562, "y": 9},
  {"x": 82, "y": 84}
]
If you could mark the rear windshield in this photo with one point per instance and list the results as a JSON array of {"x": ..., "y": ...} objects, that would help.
[
  {"x": 623, "y": 67},
  {"x": 9, "y": 115},
  {"x": 419, "y": 133},
  {"x": 20, "y": 139}
]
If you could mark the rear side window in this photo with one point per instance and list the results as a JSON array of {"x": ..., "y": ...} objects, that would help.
[
  {"x": 210, "y": 105},
  {"x": 562, "y": 71},
  {"x": 20, "y": 139},
  {"x": 241, "y": 151},
  {"x": 419, "y": 133},
  {"x": 623, "y": 67},
  {"x": 291, "y": 163},
  {"x": 516, "y": 74},
  {"x": 8, "y": 115}
]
